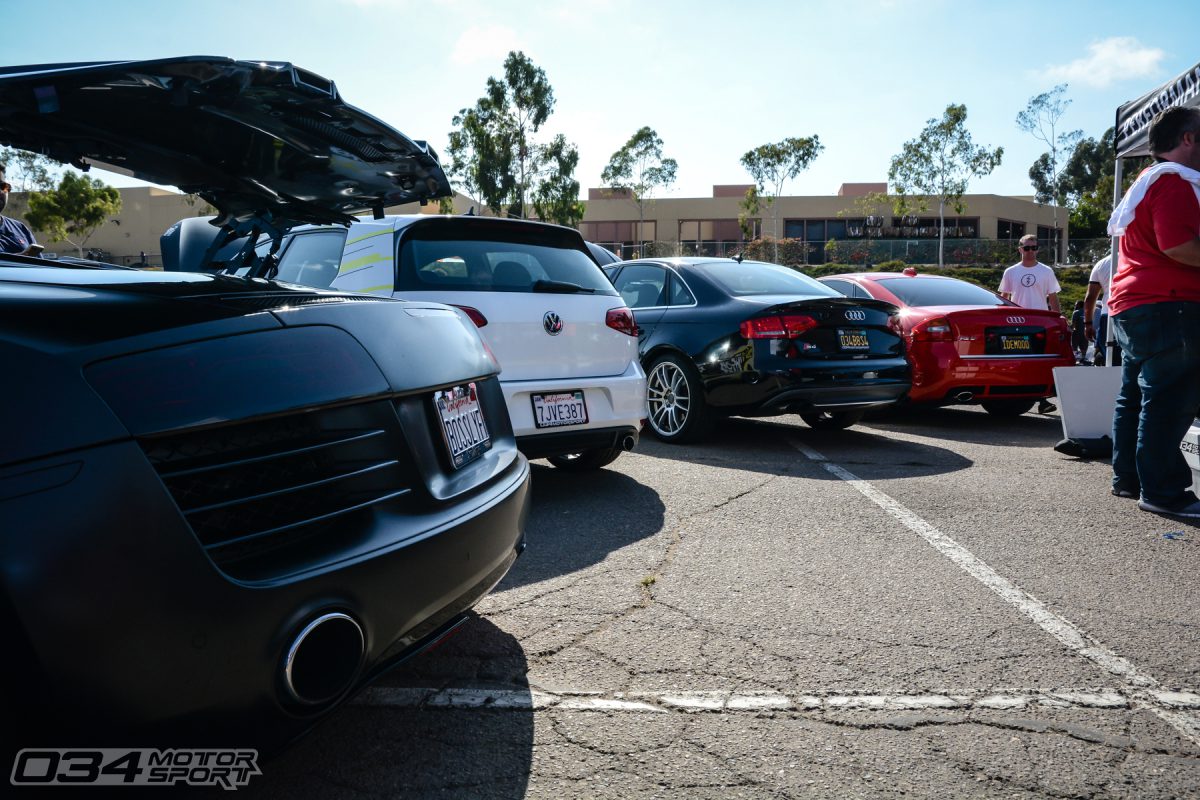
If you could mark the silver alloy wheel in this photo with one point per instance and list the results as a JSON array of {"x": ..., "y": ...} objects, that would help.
[{"x": 670, "y": 398}]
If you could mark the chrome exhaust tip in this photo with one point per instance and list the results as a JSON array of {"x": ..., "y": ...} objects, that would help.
[
  {"x": 964, "y": 397},
  {"x": 629, "y": 442},
  {"x": 324, "y": 659}
]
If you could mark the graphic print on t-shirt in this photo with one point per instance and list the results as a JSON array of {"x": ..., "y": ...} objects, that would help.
[{"x": 1028, "y": 280}]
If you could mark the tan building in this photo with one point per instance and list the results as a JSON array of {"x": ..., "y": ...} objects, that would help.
[{"x": 709, "y": 225}]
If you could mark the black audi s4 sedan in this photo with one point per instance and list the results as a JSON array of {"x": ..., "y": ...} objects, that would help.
[
  {"x": 226, "y": 502},
  {"x": 724, "y": 337}
]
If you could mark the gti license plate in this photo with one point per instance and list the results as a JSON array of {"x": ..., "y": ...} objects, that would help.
[
  {"x": 1015, "y": 344},
  {"x": 463, "y": 426},
  {"x": 853, "y": 339},
  {"x": 557, "y": 410}
]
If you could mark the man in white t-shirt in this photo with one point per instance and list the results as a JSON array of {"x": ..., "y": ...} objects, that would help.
[{"x": 1031, "y": 284}]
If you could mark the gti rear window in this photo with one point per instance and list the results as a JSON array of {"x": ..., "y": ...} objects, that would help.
[
  {"x": 481, "y": 265},
  {"x": 754, "y": 277},
  {"x": 937, "y": 292}
]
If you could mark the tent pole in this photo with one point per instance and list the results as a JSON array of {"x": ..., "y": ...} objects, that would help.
[{"x": 1110, "y": 344}]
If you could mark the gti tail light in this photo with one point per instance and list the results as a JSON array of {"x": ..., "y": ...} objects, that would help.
[
  {"x": 937, "y": 329},
  {"x": 621, "y": 319},
  {"x": 475, "y": 314},
  {"x": 784, "y": 326}
]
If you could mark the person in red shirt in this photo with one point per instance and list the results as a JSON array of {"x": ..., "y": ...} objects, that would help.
[{"x": 1155, "y": 313}]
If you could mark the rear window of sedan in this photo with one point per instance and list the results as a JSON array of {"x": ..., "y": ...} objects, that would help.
[
  {"x": 756, "y": 277},
  {"x": 482, "y": 265},
  {"x": 939, "y": 292}
]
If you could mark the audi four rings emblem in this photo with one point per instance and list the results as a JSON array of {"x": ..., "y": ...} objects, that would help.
[
  {"x": 552, "y": 323},
  {"x": 856, "y": 315},
  {"x": 1015, "y": 320}
]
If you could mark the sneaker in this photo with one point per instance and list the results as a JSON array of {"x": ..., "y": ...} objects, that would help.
[
  {"x": 1190, "y": 510},
  {"x": 1127, "y": 494},
  {"x": 1045, "y": 407}
]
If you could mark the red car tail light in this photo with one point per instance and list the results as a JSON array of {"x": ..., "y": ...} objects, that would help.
[
  {"x": 475, "y": 314},
  {"x": 933, "y": 330},
  {"x": 621, "y": 319},
  {"x": 786, "y": 326}
]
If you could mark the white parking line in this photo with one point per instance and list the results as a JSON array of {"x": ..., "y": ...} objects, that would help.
[
  {"x": 1142, "y": 689},
  {"x": 721, "y": 701}
]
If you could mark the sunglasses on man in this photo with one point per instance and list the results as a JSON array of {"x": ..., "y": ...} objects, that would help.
[{"x": 1029, "y": 247}]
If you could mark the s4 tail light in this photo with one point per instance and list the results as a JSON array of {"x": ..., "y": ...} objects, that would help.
[{"x": 784, "y": 326}]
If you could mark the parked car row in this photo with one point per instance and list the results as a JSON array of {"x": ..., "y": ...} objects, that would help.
[{"x": 244, "y": 487}]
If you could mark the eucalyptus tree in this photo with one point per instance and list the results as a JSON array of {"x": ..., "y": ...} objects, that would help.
[
  {"x": 772, "y": 166},
  {"x": 1040, "y": 119},
  {"x": 639, "y": 166},
  {"x": 938, "y": 165}
]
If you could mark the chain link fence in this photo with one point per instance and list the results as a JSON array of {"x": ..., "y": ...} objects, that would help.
[{"x": 863, "y": 252}]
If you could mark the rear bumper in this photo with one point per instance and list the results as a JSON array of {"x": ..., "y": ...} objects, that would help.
[
  {"x": 815, "y": 386},
  {"x": 941, "y": 378},
  {"x": 613, "y": 402},
  {"x": 576, "y": 441},
  {"x": 125, "y": 628}
]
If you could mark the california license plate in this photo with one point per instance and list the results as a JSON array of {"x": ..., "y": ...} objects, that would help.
[
  {"x": 463, "y": 426},
  {"x": 559, "y": 409},
  {"x": 1015, "y": 344},
  {"x": 853, "y": 339}
]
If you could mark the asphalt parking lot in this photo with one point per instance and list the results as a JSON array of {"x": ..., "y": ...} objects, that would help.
[{"x": 928, "y": 604}]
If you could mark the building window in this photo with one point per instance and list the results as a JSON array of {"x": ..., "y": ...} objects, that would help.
[
  {"x": 1008, "y": 229},
  {"x": 714, "y": 237}
]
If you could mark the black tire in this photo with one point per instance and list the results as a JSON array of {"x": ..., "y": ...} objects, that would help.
[
  {"x": 675, "y": 396},
  {"x": 831, "y": 420},
  {"x": 587, "y": 460},
  {"x": 1007, "y": 408}
]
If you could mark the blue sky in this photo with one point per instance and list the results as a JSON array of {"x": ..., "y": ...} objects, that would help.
[{"x": 714, "y": 79}]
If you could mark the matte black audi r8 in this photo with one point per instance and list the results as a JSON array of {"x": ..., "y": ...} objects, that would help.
[
  {"x": 728, "y": 337},
  {"x": 225, "y": 502}
]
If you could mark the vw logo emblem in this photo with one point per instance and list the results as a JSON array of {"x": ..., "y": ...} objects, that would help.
[
  {"x": 552, "y": 323},
  {"x": 1015, "y": 320},
  {"x": 856, "y": 315}
]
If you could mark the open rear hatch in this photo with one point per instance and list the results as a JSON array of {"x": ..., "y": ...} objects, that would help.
[{"x": 269, "y": 145}]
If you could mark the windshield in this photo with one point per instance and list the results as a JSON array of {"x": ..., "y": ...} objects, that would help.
[
  {"x": 936, "y": 292},
  {"x": 497, "y": 266},
  {"x": 756, "y": 277}
]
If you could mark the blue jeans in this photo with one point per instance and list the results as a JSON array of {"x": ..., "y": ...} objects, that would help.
[{"x": 1160, "y": 392}]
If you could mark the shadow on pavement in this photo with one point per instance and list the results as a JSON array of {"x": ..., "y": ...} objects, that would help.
[
  {"x": 370, "y": 748},
  {"x": 765, "y": 445},
  {"x": 969, "y": 424},
  {"x": 577, "y": 519}
]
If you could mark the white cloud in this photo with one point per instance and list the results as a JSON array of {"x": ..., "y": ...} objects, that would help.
[
  {"x": 485, "y": 43},
  {"x": 1109, "y": 60}
]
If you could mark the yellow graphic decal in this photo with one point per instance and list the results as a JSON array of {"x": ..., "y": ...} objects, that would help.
[
  {"x": 387, "y": 232},
  {"x": 365, "y": 261}
]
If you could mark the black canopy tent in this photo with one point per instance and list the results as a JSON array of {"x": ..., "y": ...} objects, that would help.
[{"x": 1133, "y": 140}]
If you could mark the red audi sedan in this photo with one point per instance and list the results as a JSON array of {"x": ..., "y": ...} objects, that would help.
[{"x": 967, "y": 344}]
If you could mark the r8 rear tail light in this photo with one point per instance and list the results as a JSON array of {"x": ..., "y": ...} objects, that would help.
[
  {"x": 784, "y": 326},
  {"x": 621, "y": 319},
  {"x": 937, "y": 329}
]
